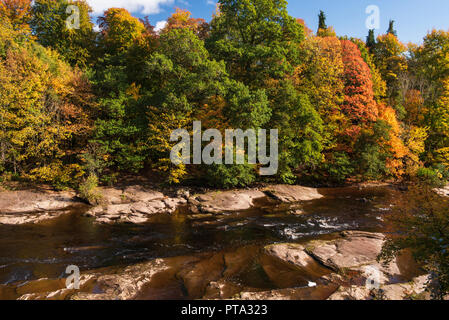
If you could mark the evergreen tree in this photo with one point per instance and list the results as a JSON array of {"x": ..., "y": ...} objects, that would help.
[
  {"x": 370, "y": 40},
  {"x": 391, "y": 29},
  {"x": 322, "y": 21}
]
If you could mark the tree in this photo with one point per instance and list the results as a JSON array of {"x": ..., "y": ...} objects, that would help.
[
  {"x": 49, "y": 25},
  {"x": 322, "y": 21},
  {"x": 429, "y": 64},
  {"x": 391, "y": 62},
  {"x": 370, "y": 40},
  {"x": 183, "y": 19},
  {"x": 319, "y": 76},
  {"x": 45, "y": 114},
  {"x": 119, "y": 30},
  {"x": 18, "y": 13},
  {"x": 323, "y": 29},
  {"x": 359, "y": 104},
  {"x": 257, "y": 39},
  {"x": 185, "y": 83},
  {"x": 391, "y": 29},
  {"x": 379, "y": 85}
]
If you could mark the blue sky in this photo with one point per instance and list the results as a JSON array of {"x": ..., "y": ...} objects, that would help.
[{"x": 414, "y": 18}]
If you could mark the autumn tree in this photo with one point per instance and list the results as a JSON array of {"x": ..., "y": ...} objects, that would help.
[
  {"x": 49, "y": 25},
  {"x": 119, "y": 30},
  {"x": 429, "y": 64},
  {"x": 183, "y": 19},
  {"x": 379, "y": 84},
  {"x": 18, "y": 13},
  {"x": 359, "y": 104},
  {"x": 391, "y": 62},
  {"x": 45, "y": 115},
  {"x": 320, "y": 76}
]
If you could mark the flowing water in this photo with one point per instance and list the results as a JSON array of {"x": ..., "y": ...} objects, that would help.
[{"x": 29, "y": 252}]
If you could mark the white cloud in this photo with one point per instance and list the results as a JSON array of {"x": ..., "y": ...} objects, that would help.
[
  {"x": 134, "y": 6},
  {"x": 160, "y": 25}
]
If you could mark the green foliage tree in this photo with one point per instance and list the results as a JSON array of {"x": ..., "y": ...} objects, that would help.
[
  {"x": 391, "y": 29},
  {"x": 370, "y": 40},
  {"x": 49, "y": 25}
]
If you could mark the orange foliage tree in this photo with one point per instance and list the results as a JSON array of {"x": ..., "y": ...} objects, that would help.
[
  {"x": 17, "y": 12},
  {"x": 359, "y": 104}
]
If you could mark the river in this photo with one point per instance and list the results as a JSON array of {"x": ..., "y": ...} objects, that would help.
[{"x": 29, "y": 252}]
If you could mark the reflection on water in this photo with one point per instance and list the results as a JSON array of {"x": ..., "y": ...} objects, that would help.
[{"x": 44, "y": 251}]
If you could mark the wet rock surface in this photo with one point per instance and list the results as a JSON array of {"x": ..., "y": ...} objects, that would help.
[
  {"x": 136, "y": 213},
  {"x": 290, "y": 194},
  {"x": 35, "y": 201},
  {"x": 135, "y": 204},
  {"x": 21, "y": 207},
  {"x": 291, "y": 269},
  {"x": 227, "y": 201},
  {"x": 220, "y": 254}
]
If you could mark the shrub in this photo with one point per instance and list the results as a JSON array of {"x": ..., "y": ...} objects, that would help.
[
  {"x": 88, "y": 190},
  {"x": 231, "y": 176},
  {"x": 432, "y": 176}
]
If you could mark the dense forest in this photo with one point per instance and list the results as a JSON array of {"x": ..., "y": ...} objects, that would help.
[{"x": 81, "y": 106}]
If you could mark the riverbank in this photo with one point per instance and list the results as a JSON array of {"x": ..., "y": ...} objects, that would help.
[{"x": 137, "y": 203}]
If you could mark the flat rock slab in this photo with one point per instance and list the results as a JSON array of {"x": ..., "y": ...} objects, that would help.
[
  {"x": 19, "y": 219},
  {"x": 415, "y": 289},
  {"x": 129, "y": 195},
  {"x": 227, "y": 201},
  {"x": 443, "y": 191},
  {"x": 295, "y": 256},
  {"x": 35, "y": 201},
  {"x": 290, "y": 194},
  {"x": 321, "y": 292},
  {"x": 135, "y": 213},
  {"x": 355, "y": 250}
]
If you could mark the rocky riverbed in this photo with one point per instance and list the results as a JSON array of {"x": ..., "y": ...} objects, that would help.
[
  {"x": 277, "y": 242},
  {"x": 335, "y": 269}
]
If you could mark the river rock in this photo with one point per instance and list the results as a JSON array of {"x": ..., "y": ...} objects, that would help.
[
  {"x": 136, "y": 213},
  {"x": 111, "y": 195},
  {"x": 443, "y": 191},
  {"x": 228, "y": 201},
  {"x": 304, "y": 267},
  {"x": 290, "y": 194},
  {"x": 12, "y": 202},
  {"x": 415, "y": 289},
  {"x": 355, "y": 250},
  {"x": 50, "y": 289},
  {"x": 19, "y": 219},
  {"x": 356, "y": 253},
  {"x": 142, "y": 194},
  {"x": 222, "y": 289},
  {"x": 321, "y": 292},
  {"x": 352, "y": 293}
]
